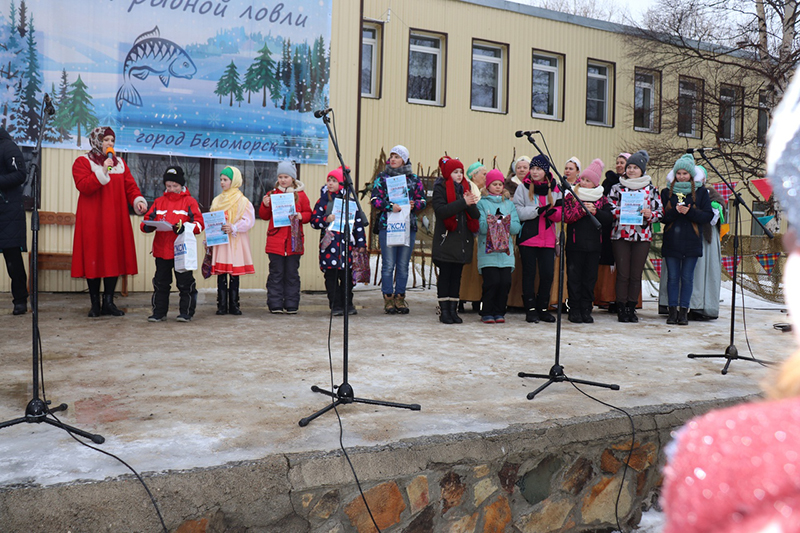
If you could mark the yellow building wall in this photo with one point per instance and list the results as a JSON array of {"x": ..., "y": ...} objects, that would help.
[{"x": 427, "y": 131}]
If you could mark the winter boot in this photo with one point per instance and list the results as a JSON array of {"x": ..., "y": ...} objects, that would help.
[
  {"x": 586, "y": 313},
  {"x": 388, "y": 304},
  {"x": 445, "y": 315},
  {"x": 400, "y": 304},
  {"x": 108, "y": 307},
  {"x": 630, "y": 308},
  {"x": 622, "y": 313},
  {"x": 222, "y": 294},
  {"x": 95, "y": 299},
  {"x": 683, "y": 316},
  {"x": 233, "y": 296},
  {"x": 454, "y": 312},
  {"x": 574, "y": 314},
  {"x": 545, "y": 316},
  {"x": 673, "y": 315}
]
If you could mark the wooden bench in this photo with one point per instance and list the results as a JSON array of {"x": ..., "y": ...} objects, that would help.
[{"x": 60, "y": 261}]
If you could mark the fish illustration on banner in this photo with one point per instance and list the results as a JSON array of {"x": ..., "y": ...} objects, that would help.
[{"x": 150, "y": 54}]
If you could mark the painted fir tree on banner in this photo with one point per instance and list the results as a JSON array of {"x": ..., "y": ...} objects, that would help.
[{"x": 219, "y": 78}]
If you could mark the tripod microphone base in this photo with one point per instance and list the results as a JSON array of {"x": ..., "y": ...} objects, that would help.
[
  {"x": 36, "y": 412},
  {"x": 731, "y": 354},
  {"x": 344, "y": 395},
  {"x": 556, "y": 375}
]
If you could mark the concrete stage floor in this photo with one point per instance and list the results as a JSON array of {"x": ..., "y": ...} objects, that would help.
[{"x": 172, "y": 396}]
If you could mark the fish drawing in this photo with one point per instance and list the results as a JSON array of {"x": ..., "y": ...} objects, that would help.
[{"x": 152, "y": 54}]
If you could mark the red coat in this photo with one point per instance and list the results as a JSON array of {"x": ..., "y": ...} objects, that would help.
[
  {"x": 103, "y": 243},
  {"x": 279, "y": 240},
  {"x": 172, "y": 207}
]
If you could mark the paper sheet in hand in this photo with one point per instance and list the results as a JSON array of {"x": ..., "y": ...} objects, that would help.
[
  {"x": 398, "y": 190},
  {"x": 282, "y": 206},
  {"x": 213, "y": 221},
  {"x": 338, "y": 205},
  {"x": 630, "y": 208},
  {"x": 160, "y": 225}
]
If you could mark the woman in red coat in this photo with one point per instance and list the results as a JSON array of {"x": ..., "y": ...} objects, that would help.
[{"x": 103, "y": 244}]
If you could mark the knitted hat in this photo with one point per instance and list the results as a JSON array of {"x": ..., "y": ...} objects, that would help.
[
  {"x": 494, "y": 175},
  {"x": 449, "y": 166},
  {"x": 626, "y": 155},
  {"x": 174, "y": 173},
  {"x": 442, "y": 161},
  {"x": 337, "y": 174},
  {"x": 402, "y": 151},
  {"x": 473, "y": 168},
  {"x": 685, "y": 162},
  {"x": 594, "y": 171},
  {"x": 575, "y": 160},
  {"x": 541, "y": 162},
  {"x": 640, "y": 159},
  {"x": 288, "y": 168}
]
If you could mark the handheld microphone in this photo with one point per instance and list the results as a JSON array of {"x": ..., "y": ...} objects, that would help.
[
  {"x": 48, "y": 105},
  {"x": 110, "y": 153},
  {"x": 322, "y": 112},
  {"x": 699, "y": 150},
  {"x": 526, "y": 133}
]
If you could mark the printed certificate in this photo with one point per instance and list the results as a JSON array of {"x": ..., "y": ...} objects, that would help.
[
  {"x": 213, "y": 221},
  {"x": 282, "y": 206}
]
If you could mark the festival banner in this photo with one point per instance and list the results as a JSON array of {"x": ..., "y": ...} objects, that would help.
[
  {"x": 657, "y": 265},
  {"x": 235, "y": 79},
  {"x": 767, "y": 261},
  {"x": 727, "y": 262},
  {"x": 723, "y": 189},
  {"x": 764, "y": 186}
]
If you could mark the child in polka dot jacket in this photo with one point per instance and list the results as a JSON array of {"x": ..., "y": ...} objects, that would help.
[{"x": 331, "y": 249}]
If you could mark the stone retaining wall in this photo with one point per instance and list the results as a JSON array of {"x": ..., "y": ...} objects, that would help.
[{"x": 559, "y": 476}]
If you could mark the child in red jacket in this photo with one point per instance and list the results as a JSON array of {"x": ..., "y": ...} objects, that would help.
[
  {"x": 176, "y": 207},
  {"x": 285, "y": 241}
]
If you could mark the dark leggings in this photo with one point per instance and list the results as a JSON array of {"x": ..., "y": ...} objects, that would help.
[
  {"x": 630, "y": 257},
  {"x": 545, "y": 259},
  {"x": 448, "y": 283},
  {"x": 16, "y": 271},
  {"x": 496, "y": 284}
]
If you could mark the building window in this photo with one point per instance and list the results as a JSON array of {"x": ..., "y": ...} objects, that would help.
[
  {"x": 598, "y": 93},
  {"x": 759, "y": 210},
  {"x": 646, "y": 101},
  {"x": 425, "y": 69},
  {"x": 546, "y": 85},
  {"x": 763, "y": 118},
  {"x": 487, "y": 92},
  {"x": 730, "y": 112},
  {"x": 690, "y": 92},
  {"x": 370, "y": 61}
]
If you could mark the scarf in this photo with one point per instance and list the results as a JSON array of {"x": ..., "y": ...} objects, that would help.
[
  {"x": 589, "y": 195},
  {"x": 96, "y": 142},
  {"x": 404, "y": 170},
  {"x": 232, "y": 201},
  {"x": 636, "y": 183},
  {"x": 682, "y": 187},
  {"x": 451, "y": 223}
]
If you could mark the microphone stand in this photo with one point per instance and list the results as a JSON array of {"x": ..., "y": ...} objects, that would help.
[
  {"x": 37, "y": 409},
  {"x": 556, "y": 374},
  {"x": 731, "y": 352},
  {"x": 344, "y": 393}
]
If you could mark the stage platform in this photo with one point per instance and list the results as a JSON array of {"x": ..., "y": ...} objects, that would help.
[{"x": 227, "y": 390}]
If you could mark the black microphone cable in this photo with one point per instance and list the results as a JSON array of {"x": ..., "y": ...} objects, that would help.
[
  {"x": 65, "y": 428},
  {"x": 630, "y": 450}
]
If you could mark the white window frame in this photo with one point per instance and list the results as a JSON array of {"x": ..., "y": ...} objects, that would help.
[
  {"x": 551, "y": 70},
  {"x": 606, "y": 91},
  {"x": 372, "y": 42},
  {"x": 438, "y": 53},
  {"x": 642, "y": 87},
  {"x": 734, "y": 109},
  {"x": 695, "y": 97},
  {"x": 494, "y": 60}
]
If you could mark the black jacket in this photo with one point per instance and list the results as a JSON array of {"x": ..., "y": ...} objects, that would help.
[
  {"x": 452, "y": 246},
  {"x": 683, "y": 234},
  {"x": 12, "y": 177}
]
